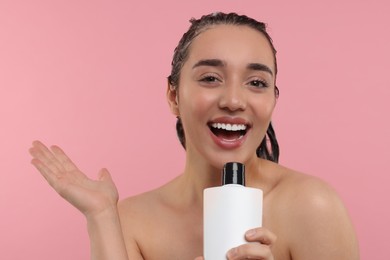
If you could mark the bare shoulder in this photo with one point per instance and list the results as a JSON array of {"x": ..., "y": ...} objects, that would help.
[
  {"x": 138, "y": 220},
  {"x": 154, "y": 220},
  {"x": 307, "y": 198},
  {"x": 135, "y": 203},
  {"x": 301, "y": 191},
  {"x": 306, "y": 191},
  {"x": 317, "y": 221},
  {"x": 133, "y": 217},
  {"x": 134, "y": 211}
]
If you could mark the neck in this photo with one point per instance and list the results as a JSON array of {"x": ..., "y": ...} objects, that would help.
[{"x": 198, "y": 176}]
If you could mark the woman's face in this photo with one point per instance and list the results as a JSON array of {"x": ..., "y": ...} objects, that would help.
[{"x": 226, "y": 94}]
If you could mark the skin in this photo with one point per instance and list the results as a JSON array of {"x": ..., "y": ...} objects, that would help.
[{"x": 303, "y": 217}]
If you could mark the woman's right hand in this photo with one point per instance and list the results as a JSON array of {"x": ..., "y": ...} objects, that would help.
[{"x": 91, "y": 197}]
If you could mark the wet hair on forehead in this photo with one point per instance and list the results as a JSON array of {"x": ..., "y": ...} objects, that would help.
[
  {"x": 205, "y": 22},
  {"x": 269, "y": 147}
]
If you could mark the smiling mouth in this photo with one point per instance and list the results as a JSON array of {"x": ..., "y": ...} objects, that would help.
[{"x": 230, "y": 132}]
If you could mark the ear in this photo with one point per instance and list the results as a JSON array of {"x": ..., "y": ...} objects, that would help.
[
  {"x": 276, "y": 90},
  {"x": 173, "y": 99}
]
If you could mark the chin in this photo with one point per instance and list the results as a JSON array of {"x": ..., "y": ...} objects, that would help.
[{"x": 220, "y": 160}]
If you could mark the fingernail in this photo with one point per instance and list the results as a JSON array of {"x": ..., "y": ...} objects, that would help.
[
  {"x": 251, "y": 233},
  {"x": 232, "y": 252}
]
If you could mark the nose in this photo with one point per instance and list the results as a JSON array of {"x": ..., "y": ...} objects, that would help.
[{"x": 232, "y": 98}]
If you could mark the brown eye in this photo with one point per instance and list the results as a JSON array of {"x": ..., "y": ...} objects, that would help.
[
  {"x": 258, "y": 83},
  {"x": 209, "y": 79}
]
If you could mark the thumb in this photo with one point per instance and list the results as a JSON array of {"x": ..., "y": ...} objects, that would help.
[
  {"x": 199, "y": 258},
  {"x": 104, "y": 175}
]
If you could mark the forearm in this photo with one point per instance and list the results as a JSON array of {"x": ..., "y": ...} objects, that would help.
[{"x": 106, "y": 236}]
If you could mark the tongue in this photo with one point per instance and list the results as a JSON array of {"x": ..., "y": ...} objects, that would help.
[{"x": 228, "y": 135}]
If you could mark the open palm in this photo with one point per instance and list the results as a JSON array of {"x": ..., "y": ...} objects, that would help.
[{"x": 91, "y": 197}]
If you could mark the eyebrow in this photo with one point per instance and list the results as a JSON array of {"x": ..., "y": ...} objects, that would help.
[
  {"x": 220, "y": 63},
  {"x": 261, "y": 67},
  {"x": 209, "y": 62}
]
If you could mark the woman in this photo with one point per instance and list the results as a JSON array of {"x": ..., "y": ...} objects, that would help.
[{"x": 222, "y": 90}]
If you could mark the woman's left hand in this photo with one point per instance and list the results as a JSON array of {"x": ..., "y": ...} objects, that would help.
[
  {"x": 260, "y": 247},
  {"x": 262, "y": 240}
]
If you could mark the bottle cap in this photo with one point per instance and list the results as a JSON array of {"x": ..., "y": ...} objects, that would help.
[{"x": 233, "y": 173}]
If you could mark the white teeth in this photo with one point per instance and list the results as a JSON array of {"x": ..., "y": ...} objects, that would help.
[{"x": 229, "y": 127}]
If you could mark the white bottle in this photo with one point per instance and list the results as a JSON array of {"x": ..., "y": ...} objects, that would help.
[{"x": 229, "y": 211}]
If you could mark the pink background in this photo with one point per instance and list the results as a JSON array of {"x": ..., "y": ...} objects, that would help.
[{"x": 90, "y": 76}]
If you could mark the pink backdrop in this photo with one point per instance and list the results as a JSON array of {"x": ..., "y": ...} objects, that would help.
[{"x": 90, "y": 76}]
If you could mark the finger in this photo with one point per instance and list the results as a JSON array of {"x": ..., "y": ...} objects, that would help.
[
  {"x": 104, "y": 175},
  {"x": 199, "y": 258},
  {"x": 39, "y": 146},
  {"x": 250, "y": 251},
  {"x": 50, "y": 177},
  {"x": 262, "y": 235},
  {"x": 40, "y": 152},
  {"x": 63, "y": 159}
]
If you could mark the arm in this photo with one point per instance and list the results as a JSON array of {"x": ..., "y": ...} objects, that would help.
[
  {"x": 106, "y": 237},
  {"x": 96, "y": 199}
]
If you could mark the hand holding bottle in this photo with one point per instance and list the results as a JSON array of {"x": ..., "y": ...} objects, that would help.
[{"x": 260, "y": 247}]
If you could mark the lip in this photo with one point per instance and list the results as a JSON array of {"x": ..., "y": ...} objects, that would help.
[{"x": 229, "y": 144}]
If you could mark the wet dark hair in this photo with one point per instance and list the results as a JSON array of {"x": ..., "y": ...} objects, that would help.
[{"x": 269, "y": 147}]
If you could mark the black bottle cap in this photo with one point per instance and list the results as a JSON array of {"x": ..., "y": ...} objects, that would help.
[{"x": 233, "y": 173}]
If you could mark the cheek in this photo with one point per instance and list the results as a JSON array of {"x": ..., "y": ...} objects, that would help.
[
  {"x": 196, "y": 102},
  {"x": 264, "y": 107}
]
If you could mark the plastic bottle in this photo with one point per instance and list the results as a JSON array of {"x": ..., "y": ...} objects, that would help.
[{"x": 229, "y": 211}]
